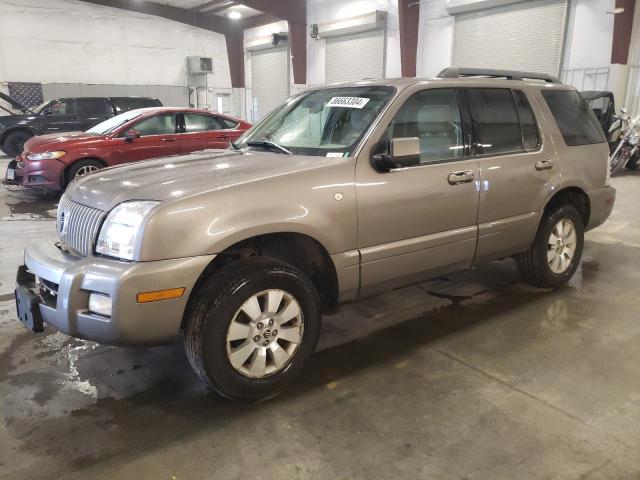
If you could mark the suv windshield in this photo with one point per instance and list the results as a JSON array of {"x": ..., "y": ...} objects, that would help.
[
  {"x": 109, "y": 125},
  {"x": 328, "y": 122}
]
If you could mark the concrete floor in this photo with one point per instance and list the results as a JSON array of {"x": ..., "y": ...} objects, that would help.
[{"x": 473, "y": 376}]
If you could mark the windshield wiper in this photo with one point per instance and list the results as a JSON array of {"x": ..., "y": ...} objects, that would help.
[{"x": 268, "y": 144}]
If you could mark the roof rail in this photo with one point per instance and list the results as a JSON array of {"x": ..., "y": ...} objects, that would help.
[{"x": 457, "y": 72}]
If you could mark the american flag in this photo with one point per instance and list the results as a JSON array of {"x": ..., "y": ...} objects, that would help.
[{"x": 27, "y": 93}]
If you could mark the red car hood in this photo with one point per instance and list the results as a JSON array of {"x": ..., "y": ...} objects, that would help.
[{"x": 59, "y": 141}]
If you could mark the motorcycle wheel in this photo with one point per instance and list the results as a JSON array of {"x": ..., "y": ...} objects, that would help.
[
  {"x": 633, "y": 164},
  {"x": 618, "y": 162}
]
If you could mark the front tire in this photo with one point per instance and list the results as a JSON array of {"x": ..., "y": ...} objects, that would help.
[
  {"x": 80, "y": 169},
  {"x": 557, "y": 249},
  {"x": 251, "y": 327},
  {"x": 13, "y": 144}
]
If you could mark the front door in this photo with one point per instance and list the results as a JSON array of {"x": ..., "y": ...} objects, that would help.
[
  {"x": 418, "y": 222},
  {"x": 61, "y": 116},
  {"x": 158, "y": 138},
  {"x": 516, "y": 170}
]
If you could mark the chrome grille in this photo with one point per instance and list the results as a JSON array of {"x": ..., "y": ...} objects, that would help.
[{"x": 78, "y": 226}]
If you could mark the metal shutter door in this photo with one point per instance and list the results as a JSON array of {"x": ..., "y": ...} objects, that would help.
[
  {"x": 355, "y": 57},
  {"x": 524, "y": 36},
  {"x": 269, "y": 79}
]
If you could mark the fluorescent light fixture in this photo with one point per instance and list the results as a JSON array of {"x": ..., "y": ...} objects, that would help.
[{"x": 234, "y": 15}]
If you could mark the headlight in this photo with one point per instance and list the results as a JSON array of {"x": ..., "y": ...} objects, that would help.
[
  {"x": 46, "y": 155},
  {"x": 121, "y": 230},
  {"x": 634, "y": 137}
]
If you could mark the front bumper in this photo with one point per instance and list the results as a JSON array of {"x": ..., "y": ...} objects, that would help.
[
  {"x": 47, "y": 174},
  {"x": 601, "y": 202},
  {"x": 72, "y": 279}
]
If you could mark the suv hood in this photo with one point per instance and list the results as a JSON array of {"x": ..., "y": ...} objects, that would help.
[
  {"x": 180, "y": 176},
  {"x": 60, "y": 141}
]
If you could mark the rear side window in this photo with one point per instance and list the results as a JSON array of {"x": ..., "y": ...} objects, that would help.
[
  {"x": 214, "y": 123},
  {"x": 94, "y": 106},
  {"x": 226, "y": 123},
  {"x": 496, "y": 124},
  {"x": 530, "y": 138},
  {"x": 194, "y": 122},
  {"x": 124, "y": 104},
  {"x": 576, "y": 121}
]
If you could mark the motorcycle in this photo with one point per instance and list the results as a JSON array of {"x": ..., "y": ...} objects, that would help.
[{"x": 627, "y": 152}]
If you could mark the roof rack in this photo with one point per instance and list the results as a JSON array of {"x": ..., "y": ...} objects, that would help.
[{"x": 456, "y": 72}]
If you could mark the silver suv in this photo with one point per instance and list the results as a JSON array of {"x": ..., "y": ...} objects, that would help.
[{"x": 342, "y": 192}]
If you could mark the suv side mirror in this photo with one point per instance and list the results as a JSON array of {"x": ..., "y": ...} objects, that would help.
[
  {"x": 131, "y": 135},
  {"x": 403, "y": 152}
]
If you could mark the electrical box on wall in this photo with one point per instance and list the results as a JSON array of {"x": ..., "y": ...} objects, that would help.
[{"x": 198, "y": 65}]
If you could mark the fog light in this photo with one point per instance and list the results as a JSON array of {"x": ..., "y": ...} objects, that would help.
[{"x": 100, "y": 304}]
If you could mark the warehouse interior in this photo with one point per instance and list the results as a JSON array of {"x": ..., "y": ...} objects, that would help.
[{"x": 472, "y": 374}]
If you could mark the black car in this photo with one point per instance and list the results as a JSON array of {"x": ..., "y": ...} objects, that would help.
[{"x": 62, "y": 115}]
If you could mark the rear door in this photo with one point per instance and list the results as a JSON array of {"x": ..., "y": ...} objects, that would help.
[
  {"x": 92, "y": 111},
  {"x": 418, "y": 222},
  {"x": 61, "y": 116},
  {"x": 158, "y": 138},
  {"x": 517, "y": 167}
]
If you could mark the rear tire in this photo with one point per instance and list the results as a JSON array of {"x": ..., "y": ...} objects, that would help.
[
  {"x": 233, "y": 316},
  {"x": 81, "y": 168},
  {"x": 557, "y": 249},
  {"x": 13, "y": 144}
]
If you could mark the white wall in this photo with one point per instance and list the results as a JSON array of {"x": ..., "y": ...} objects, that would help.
[
  {"x": 435, "y": 38},
  {"x": 589, "y": 35},
  {"x": 67, "y": 41},
  {"x": 326, "y": 11}
]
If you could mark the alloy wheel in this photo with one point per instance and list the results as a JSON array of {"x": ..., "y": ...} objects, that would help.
[
  {"x": 561, "y": 246},
  {"x": 82, "y": 171},
  {"x": 265, "y": 333}
]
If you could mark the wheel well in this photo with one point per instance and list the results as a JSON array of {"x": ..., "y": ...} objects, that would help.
[
  {"x": 573, "y": 196},
  {"x": 295, "y": 249},
  {"x": 17, "y": 129}
]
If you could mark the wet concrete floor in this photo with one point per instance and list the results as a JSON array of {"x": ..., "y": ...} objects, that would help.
[{"x": 472, "y": 376}]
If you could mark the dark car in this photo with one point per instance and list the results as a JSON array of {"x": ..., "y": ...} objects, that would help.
[
  {"x": 52, "y": 161},
  {"x": 64, "y": 115}
]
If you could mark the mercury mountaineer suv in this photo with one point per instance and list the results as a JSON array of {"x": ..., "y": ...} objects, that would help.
[{"x": 342, "y": 192}]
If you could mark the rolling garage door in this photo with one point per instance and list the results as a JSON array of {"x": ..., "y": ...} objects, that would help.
[
  {"x": 524, "y": 36},
  {"x": 355, "y": 57},
  {"x": 269, "y": 79}
]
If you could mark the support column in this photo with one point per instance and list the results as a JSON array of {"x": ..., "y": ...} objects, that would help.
[
  {"x": 235, "y": 54},
  {"x": 622, "y": 25},
  {"x": 409, "y": 13},
  {"x": 298, "y": 41}
]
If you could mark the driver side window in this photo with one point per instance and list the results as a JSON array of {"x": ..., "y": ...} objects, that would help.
[
  {"x": 164, "y": 124},
  {"x": 433, "y": 116}
]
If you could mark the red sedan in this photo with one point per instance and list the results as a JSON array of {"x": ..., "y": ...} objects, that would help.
[{"x": 52, "y": 161}]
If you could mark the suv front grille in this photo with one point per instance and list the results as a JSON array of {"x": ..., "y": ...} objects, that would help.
[{"x": 78, "y": 226}]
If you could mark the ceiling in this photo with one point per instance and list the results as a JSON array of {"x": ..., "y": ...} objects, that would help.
[{"x": 221, "y": 8}]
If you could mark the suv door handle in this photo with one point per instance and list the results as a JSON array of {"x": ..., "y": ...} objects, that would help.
[
  {"x": 225, "y": 137},
  {"x": 464, "y": 176},
  {"x": 544, "y": 165},
  {"x": 168, "y": 139}
]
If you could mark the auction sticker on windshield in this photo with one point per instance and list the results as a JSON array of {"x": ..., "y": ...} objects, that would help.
[{"x": 347, "y": 102}]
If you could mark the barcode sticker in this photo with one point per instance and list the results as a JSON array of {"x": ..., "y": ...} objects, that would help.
[{"x": 347, "y": 102}]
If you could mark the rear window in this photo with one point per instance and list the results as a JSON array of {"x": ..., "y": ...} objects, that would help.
[
  {"x": 576, "y": 121},
  {"x": 124, "y": 104}
]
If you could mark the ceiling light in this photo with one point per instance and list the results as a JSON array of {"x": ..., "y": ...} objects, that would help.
[{"x": 234, "y": 15}]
